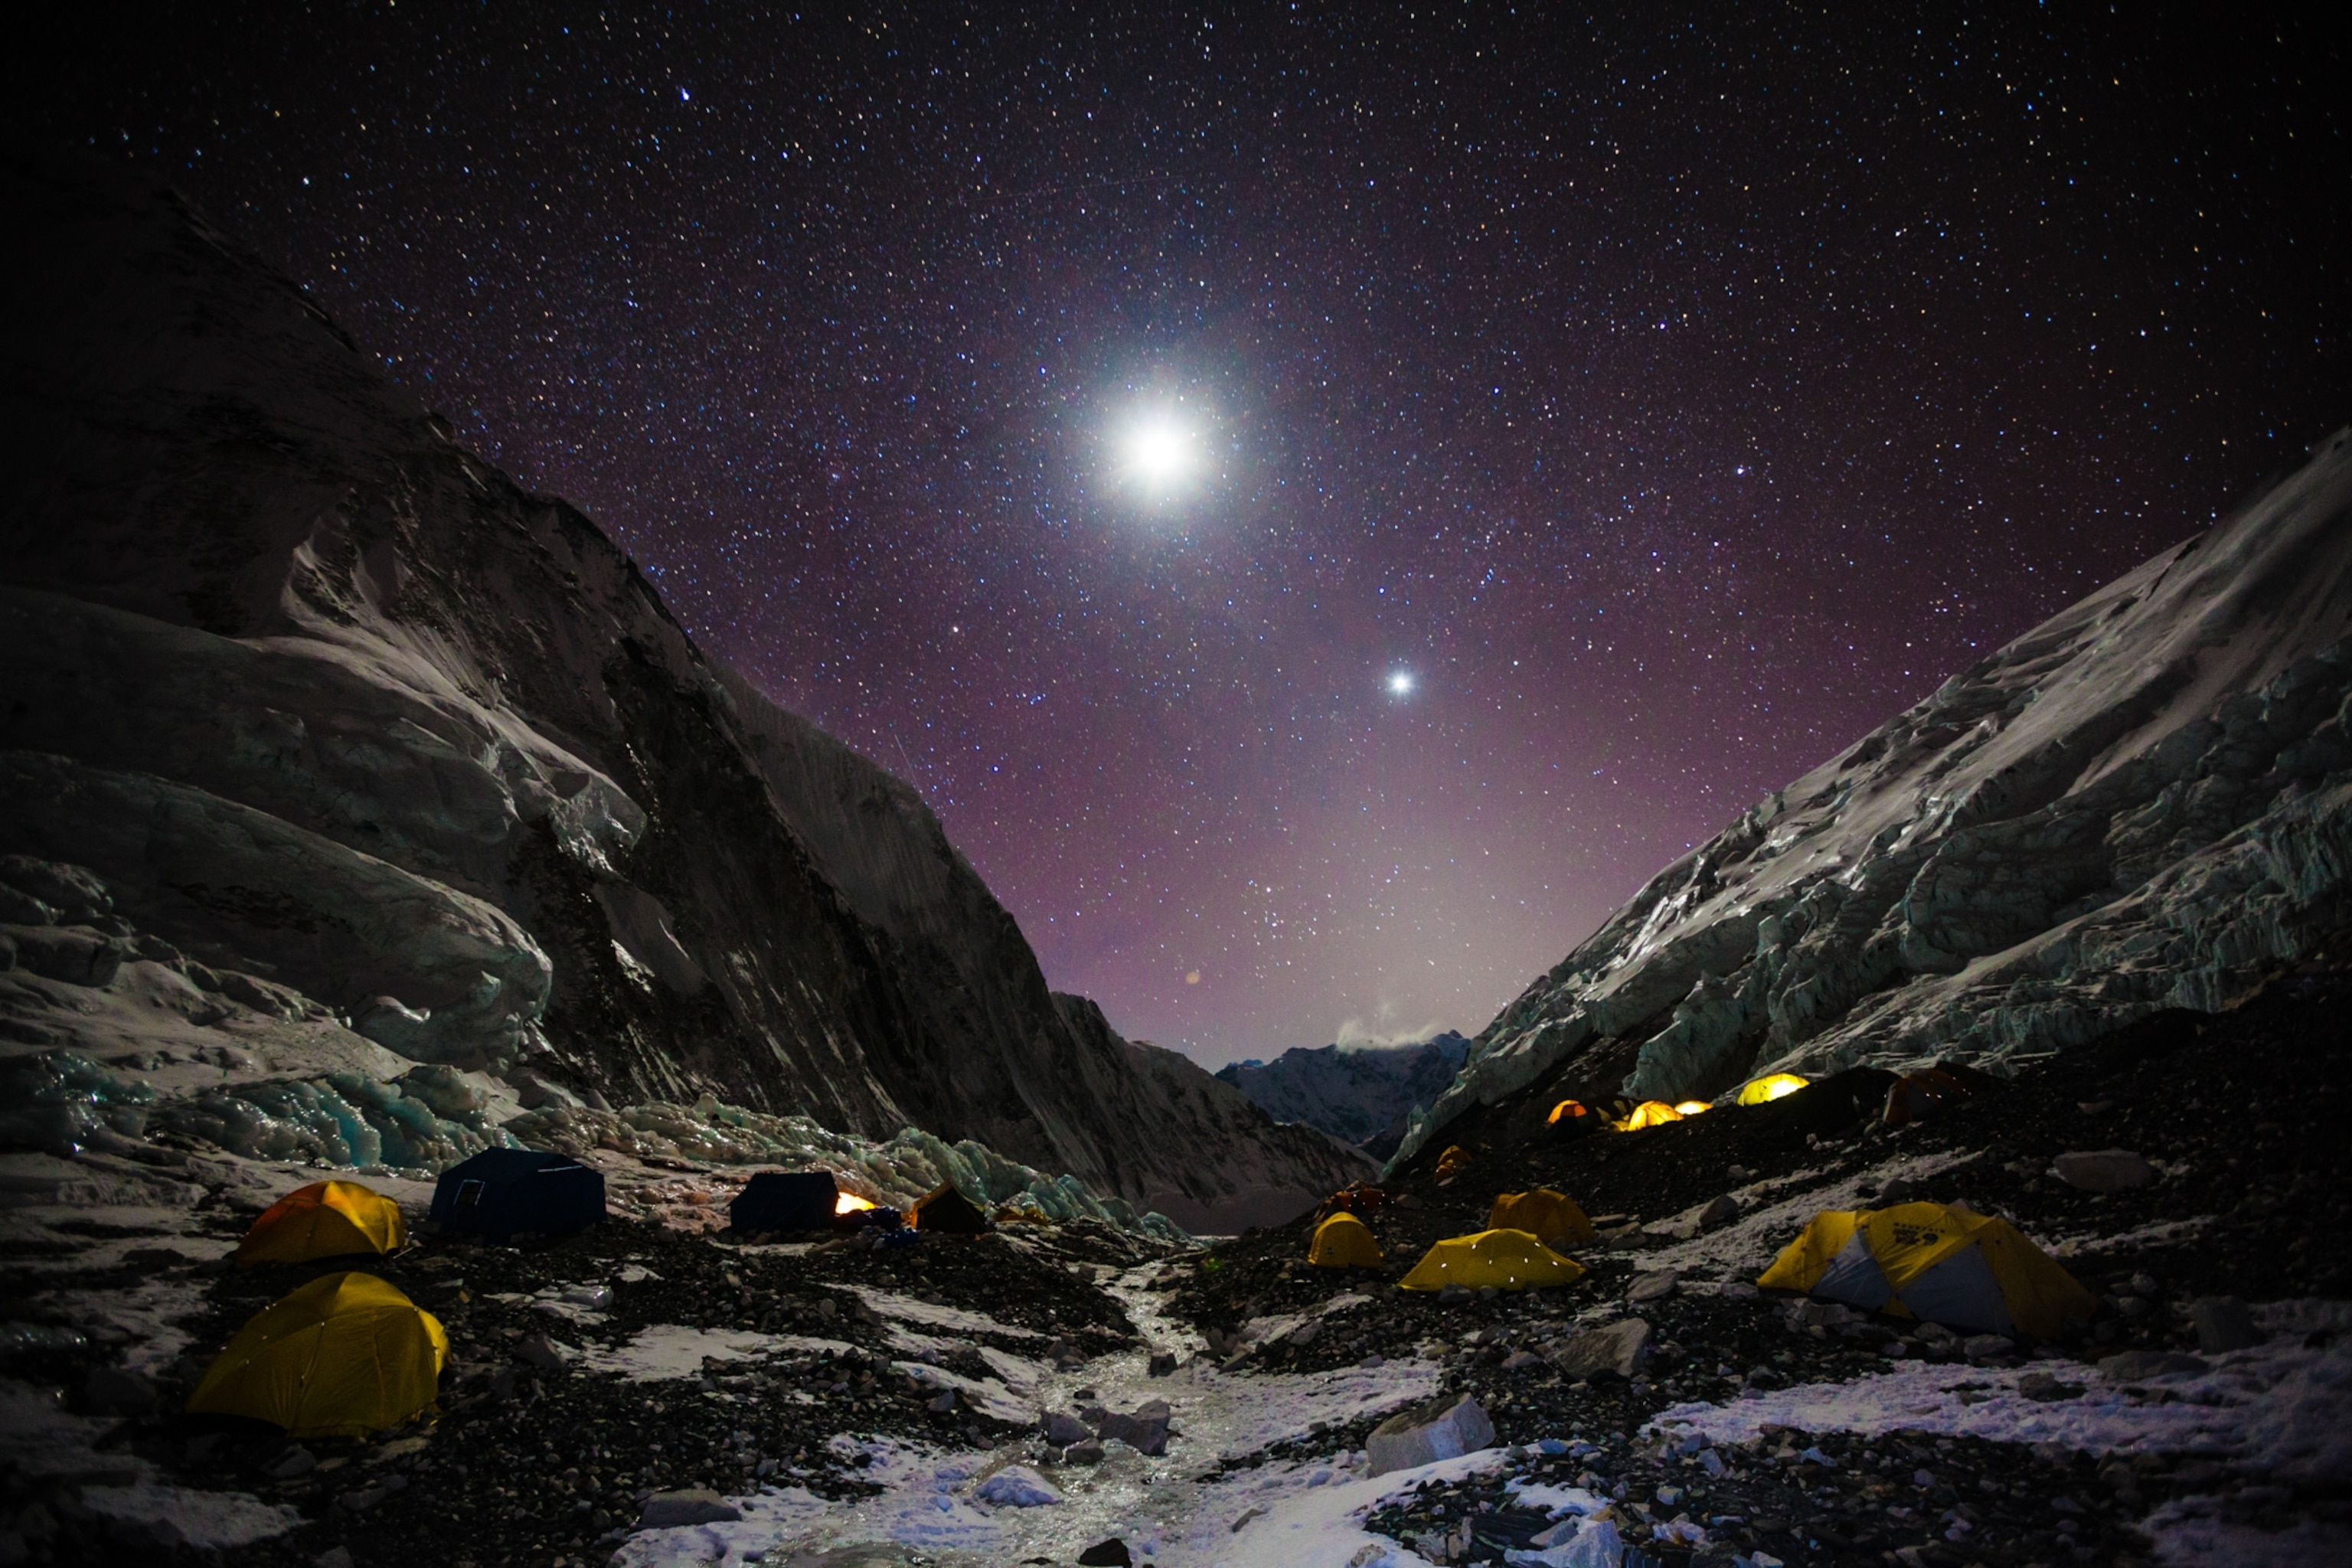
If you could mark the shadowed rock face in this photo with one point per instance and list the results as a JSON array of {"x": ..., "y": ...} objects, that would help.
[
  {"x": 2136, "y": 805},
  {"x": 321, "y": 696}
]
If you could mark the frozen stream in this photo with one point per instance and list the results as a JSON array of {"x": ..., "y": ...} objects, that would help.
[{"x": 1310, "y": 1513}]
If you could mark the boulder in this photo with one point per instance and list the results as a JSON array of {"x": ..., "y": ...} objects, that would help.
[
  {"x": 1016, "y": 1486},
  {"x": 1163, "y": 1362},
  {"x": 1145, "y": 1429},
  {"x": 1111, "y": 1553},
  {"x": 2104, "y": 1170},
  {"x": 1985, "y": 1347},
  {"x": 1619, "y": 1349},
  {"x": 1443, "y": 1429},
  {"x": 540, "y": 1352},
  {"x": 1722, "y": 1211},
  {"x": 2223, "y": 1324},
  {"x": 1061, "y": 1429},
  {"x": 1656, "y": 1285},
  {"x": 694, "y": 1505}
]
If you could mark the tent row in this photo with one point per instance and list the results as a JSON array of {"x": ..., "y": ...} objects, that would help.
[{"x": 1934, "y": 1262}]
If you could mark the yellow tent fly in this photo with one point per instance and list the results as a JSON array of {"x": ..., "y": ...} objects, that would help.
[
  {"x": 1451, "y": 1163},
  {"x": 1343, "y": 1241},
  {"x": 1649, "y": 1113},
  {"x": 345, "y": 1355},
  {"x": 325, "y": 1219},
  {"x": 1550, "y": 1217},
  {"x": 1770, "y": 1088},
  {"x": 1935, "y": 1262},
  {"x": 1505, "y": 1259}
]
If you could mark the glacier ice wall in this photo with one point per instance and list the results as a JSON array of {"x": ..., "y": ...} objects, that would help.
[{"x": 2138, "y": 805}]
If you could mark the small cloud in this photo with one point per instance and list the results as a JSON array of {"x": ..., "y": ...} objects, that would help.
[{"x": 1356, "y": 1035}]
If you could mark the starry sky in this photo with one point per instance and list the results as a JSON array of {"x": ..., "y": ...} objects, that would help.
[{"x": 1323, "y": 499}]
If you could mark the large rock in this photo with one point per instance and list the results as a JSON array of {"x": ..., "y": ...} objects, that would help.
[
  {"x": 2138, "y": 805},
  {"x": 1144, "y": 1429},
  {"x": 1619, "y": 1348},
  {"x": 1444, "y": 1428},
  {"x": 2103, "y": 1170}
]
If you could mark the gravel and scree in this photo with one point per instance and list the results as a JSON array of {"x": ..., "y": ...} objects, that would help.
[{"x": 592, "y": 1373}]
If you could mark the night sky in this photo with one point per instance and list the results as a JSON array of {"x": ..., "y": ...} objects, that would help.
[{"x": 1323, "y": 501}]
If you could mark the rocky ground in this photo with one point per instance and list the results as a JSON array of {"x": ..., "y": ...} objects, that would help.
[{"x": 898, "y": 1395}]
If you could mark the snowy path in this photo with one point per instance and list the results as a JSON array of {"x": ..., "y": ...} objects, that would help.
[{"x": 1310, "y": 1512}]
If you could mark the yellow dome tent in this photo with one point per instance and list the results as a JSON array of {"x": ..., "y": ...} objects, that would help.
[
  {"x": 1451, "y": 1164},
  {"x": 1770, "y": 1088},
  {"x": 345, "y": 1355},
  {"x": 1505, "y": 1259},
  {"x": 1343, "y": 1241},
  {"x": 1649, "y": 1113},
  {"x": 1550, "y": 1217},
  {"x": 325, "y": 1219},
  {"x": 1936, "y": 1263}
]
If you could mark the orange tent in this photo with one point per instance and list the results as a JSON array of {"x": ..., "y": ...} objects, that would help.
[
  {"x": 1649, "y": 1113},
  {"x": 325, "y": 1219},
  {"x": 1550, "y": 1217}
]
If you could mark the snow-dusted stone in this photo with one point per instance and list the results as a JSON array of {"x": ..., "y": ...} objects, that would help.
[
  {"x": 2104, "y": 1170},
  {"x": 1061, "y": 1429},
  {"x": 1656, "y": 1285},
  {"x": 1016, "y": 1486},
  {"x": 1573, "y": 1543},
  {"x": 1145, "y": 1429},
  {"x": 1444, "y": 1428},
  {"x": 695, "y": 1505},
  {"x": 1619, "y": 1349}
]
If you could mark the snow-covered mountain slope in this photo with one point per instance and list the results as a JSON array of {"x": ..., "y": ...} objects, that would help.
[
  {"x": 2135, "y": 806},
  {"x": 322, "y": 699},
  {"x": 1359, "y": 1094}
]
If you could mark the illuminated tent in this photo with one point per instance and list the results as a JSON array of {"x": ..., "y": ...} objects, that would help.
[
  {"x": 502, "y": 1193},
  {"x": 345, "y": 1355},
  {"x": 1649, "y": 1113},
  {"x": 1937, "y": 1263},
  {"x": 1770, "y": 1088},
  {"x": 1343, "y": 1241},
  {"x": 785, "y": 1200},
  {"x": 945, "y": 1209},
  {"x": 1550, "y": 1217},
  {"x": 1572, "y": 1117},
  {"x": 1505, "y": 1259},
  {"x": 325, "y": 1219},
  {"x": 1693, "y": 1108}
]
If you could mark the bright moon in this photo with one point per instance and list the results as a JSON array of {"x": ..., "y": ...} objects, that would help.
[
  {"x": 1158, "y": 455},
  {"x": 1401, "y": 683}
]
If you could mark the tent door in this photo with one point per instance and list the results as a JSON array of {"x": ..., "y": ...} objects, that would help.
[
  {"x": 470, "y": 1194},
  {"x": 1853, "y": 1277}
]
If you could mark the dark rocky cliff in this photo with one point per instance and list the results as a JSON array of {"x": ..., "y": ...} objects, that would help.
[{"x": 324, "y": 698}]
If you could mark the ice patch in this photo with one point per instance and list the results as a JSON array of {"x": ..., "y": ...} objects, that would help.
[{"x": 666, "y": 1350}]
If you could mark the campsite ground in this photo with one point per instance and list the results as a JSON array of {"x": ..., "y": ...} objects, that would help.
[{"x": 652, "y": 1354}]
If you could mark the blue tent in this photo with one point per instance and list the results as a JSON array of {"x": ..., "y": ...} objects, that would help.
[
  {"x": 785, "y": 1200},
  {"x": 501, "y": 1192}
]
